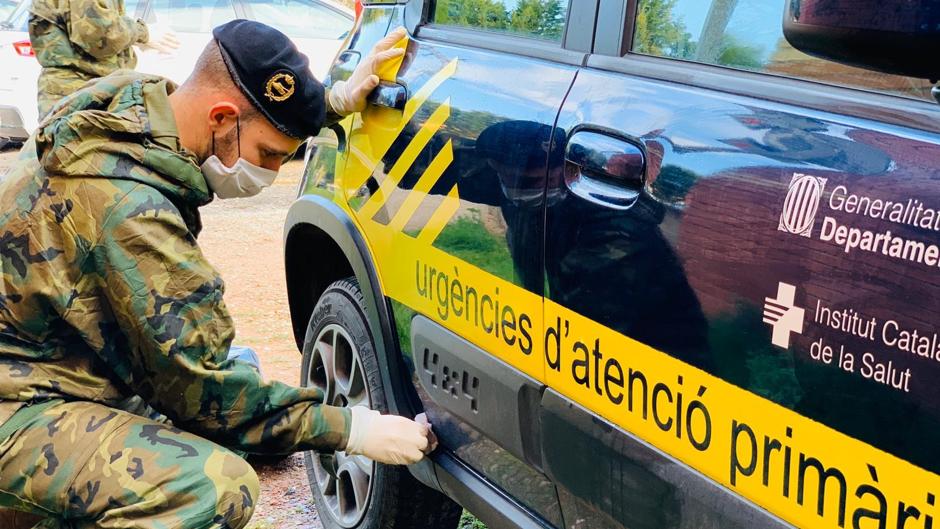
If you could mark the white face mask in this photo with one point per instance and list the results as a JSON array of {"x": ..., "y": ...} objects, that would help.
[{"x": 244, "y": 179}]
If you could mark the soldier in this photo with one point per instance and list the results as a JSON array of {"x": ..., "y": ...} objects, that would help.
[
  {"x": 79, "y": 40},
  {"x": 105, "y": 294}
]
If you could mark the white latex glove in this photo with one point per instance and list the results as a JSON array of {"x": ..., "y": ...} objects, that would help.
[
  {"x": 162, "y": 39},
  {"x": 349, "y": 96},
  {"x": 387, "y": 439}
]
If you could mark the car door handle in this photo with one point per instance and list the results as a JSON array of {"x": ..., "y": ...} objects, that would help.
[
  {"x": 604, "y": 169},
  {"x": 389, "y": 95}
]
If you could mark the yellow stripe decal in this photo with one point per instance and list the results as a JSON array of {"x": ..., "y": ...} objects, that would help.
[
  {"x": 441, "y": 216},
  {"x": 430, "y": 177},
  {"x": 406, "y": 160},
  {"x": 423, "y": 93},
  {"x": 372, "y": 132}
]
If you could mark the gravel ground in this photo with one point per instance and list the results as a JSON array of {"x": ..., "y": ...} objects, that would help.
[{"x": 242, "y": 239}]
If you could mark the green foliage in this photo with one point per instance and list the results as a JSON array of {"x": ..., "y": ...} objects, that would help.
[
  {"x": 673, "y": 183},
  {"x": 468, "y": 521},
  {"x": 659, "y": 31},
  {"x": 734, "y": 53},
  {"x": 745, "y": 360},
  {"x": 537, "y": 18},
  {"x": 403, "y": 316},
  {"x": 468, "y": 239}
]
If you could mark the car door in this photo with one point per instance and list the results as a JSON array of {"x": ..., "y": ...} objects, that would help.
[
  {"x": 445, "y": 175},
  {"x": 743, "y": 249}
]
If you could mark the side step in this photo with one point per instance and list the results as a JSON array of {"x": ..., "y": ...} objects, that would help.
[{"x": 491, "y": 505}]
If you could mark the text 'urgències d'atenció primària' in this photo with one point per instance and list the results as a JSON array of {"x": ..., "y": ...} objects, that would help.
[{"x": 770, "y": 455}]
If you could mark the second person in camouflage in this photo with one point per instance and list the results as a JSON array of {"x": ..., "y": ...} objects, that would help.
[{"x": 76, "y": 41}]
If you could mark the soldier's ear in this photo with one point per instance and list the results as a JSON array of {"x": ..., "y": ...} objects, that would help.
[{"x": 222, "y": 117}]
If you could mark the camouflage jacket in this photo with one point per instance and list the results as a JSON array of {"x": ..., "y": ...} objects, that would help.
[
  {"x": 79, "y": 40},
  {"x": 104, "y": 292}
]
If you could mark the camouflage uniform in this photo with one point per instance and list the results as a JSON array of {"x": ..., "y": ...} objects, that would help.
[
  {"x": 100, "y": 467},
  {"x": 79, "y": 40},
  {"x": 104, "y": 294}
]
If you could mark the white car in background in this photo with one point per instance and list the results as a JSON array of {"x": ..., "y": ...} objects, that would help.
[{"x": 317, "y": 27}]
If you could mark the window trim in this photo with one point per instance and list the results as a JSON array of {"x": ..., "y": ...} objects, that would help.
[
  {"x": 418, "y": 14},
  {"x": 580, "y": 14},
  {"x": 848, "y": 102},
  {"x": 493, "y": 41},
  {"x": 614, "y": 34},
  {"x": 580, "y": 26},
  {"x": 612, "y": 53}
]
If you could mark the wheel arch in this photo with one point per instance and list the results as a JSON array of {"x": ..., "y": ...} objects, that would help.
[{"x": 321, "y": 245}]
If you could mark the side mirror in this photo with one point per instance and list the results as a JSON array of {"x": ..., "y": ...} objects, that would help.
[{"x": 892, "y": 36}]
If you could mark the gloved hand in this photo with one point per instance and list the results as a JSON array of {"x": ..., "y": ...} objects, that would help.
[
  {"x": 349, "y": 96},
  {"x": 387, "y": 439},
  {"x": 162, "y": 39}
]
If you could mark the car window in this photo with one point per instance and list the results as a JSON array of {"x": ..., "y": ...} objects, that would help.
[
  {"x": 541, "y": 19},
  {"x": 130, "y": 8},
  {"x": 6, "y": 8},
  {"x": 301, "y": 18},
  {"x": 190, "y": 16},
  {"x": 748, "y": 34},
  {"x": 14, "y": 16}
]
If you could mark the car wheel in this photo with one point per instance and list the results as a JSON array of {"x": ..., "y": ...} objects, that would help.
[{"x": 352, "y": 491}]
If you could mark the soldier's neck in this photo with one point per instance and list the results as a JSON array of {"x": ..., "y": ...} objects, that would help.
[{"x": 186, "y": 115}]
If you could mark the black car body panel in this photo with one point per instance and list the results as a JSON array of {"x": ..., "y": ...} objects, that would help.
[{"x": 626, "y": 289}]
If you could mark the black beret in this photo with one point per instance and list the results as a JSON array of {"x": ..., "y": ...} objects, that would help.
[{"x": 273, "y": 75}]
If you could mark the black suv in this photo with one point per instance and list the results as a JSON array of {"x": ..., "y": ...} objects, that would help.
[{"x": 644, "y": 263}]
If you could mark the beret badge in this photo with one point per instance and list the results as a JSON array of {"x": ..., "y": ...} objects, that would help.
[{"x": 280, "y": 87}]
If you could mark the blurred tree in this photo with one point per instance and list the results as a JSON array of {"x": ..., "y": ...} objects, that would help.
[
  {"x": 659, "y": 32},
  {"x": 711, "y": 43},
  {"x": 734, "y": 53},
  {"x": 538, "y": 18},
  {"x": 541, "y": 18},
  {"x": 483, "y": 14}
]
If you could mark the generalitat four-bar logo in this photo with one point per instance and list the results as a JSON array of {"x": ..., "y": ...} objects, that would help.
[{"x": 802, "y": 203}]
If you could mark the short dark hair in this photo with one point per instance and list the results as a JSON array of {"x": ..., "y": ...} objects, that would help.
[{"x": 211, "y": 71}]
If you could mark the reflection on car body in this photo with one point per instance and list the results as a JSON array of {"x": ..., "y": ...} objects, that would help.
[{"x": 632, "y": 259}]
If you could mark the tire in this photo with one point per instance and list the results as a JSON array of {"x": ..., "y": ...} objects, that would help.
[{"x": 394, "y": 499}]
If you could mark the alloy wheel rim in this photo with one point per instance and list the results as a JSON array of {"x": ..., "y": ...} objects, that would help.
[{"x": 344, "y": 481}]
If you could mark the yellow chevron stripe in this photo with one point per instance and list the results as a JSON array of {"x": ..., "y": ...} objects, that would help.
[
  {"x": 440, "y": 218},
  {"x": 423, "y": 93},
  {"x": 406, "y": 160},
  {"x": 372, "y": 137},
  {"x": 430, "y": 177}
]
